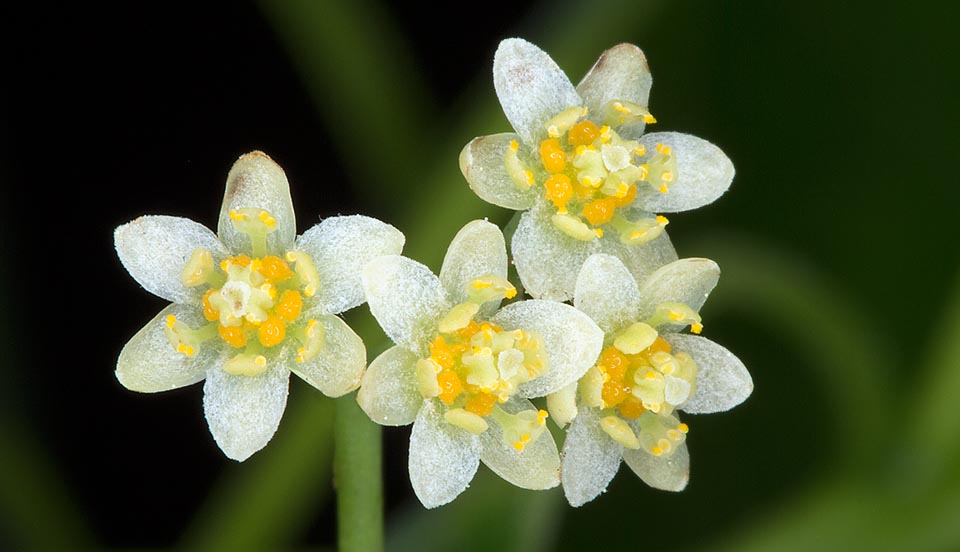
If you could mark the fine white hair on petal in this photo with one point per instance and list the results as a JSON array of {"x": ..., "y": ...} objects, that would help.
[
  {"x": 607, "y": 293},
  {"x": 478, "y": 249},
  {"x": 155, "y": 248},
  {"x": 704, "y": 173},
  {"x": 338, "y": 367},
  {"x": 535, "y": 467},
  {"x": 340, "y": 247},
  {"x": 571, "y": 341},
  {"x": 667, "y": 473},
  {"x": 621, "y": 73},
  {"x": 443, "y": 457},
  {"x": 148, "y": 362},
  {"x": 243, "y": 412},
  {"x": 389, "y": 393},
  {"x": 483, "y": 164},
  {"x": 531, "y": 87},
  {"x": 406, "y": 299},
  {"x": 590, "y": 458},
  {"x": 256, "y": 182},
  {"x": 723, "y": 381},
  {"x": 688, "y": 281}
]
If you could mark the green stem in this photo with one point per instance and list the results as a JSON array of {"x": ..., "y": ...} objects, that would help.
[{"x": 357, "y": 478}]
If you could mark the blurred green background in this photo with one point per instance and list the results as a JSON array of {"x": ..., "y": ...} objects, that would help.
[{"x": 836, "y": 241}]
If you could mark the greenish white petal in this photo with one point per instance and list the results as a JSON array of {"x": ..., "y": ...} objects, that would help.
[
  {"x": 243, "y": 412},
  {"x": 406, "y": 299},
  {"x": 704, "y": 174},
  {"x": 340, "y": 247},
  {"x": 338, "y": 367},
  {"x": 482, "y": 163},
  {"x": 547, "y": 260},
  {"x": 723, "y": 381},
  {"x": 256, "y": 182},
  {"x": 531, "y": 87},
  {"x": 478, "y": 249},
  {"x": 590, "y": 458},
  {"x": 389, "y": 393},
  {"x": 643, "y": 259},
  {"x": 571, "y": 341},
  {"x": 607, "y": 292},
  {"x": 443, "y": 458},
  {"x": 687, "y": 281},
  {"x": 148, "y": 363},
  {"x": 621, "y": 73},
  {"x": 535, "y": 467},
  {"x": 667, "y": 473},
  {"x": 155, "y": 248}
]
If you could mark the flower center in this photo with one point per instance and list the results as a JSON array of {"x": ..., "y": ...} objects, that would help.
[
  {"x": 591, "y": 175},
  {"x": 252, "y": 304}
]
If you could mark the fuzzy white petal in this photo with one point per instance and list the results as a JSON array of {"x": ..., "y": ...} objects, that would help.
[
  {"x": 340, "y": 247},
  {"x": 621, "y": 73},
  {"x": 641, "y": 260},
  {"x": 665, "y": 473},
  {"x": 571, "y": 341},
  {"x": 723, "y": 381},
  {"x": 443, "y": 457},
  {"x": 243, "y": 412},
  {"x": 482, "y": 164},
  {"x": 607, "y": 293},
  {"x": 704, "y": 173},
  {"x": 477, "y": 249},
  {"x": 148, "y": 363},
  {"x": 687, "y": 281},
  {"x": 155, "y": 248},
  {"x": 406, "y": 299},
  {"x": 389, "y": 393},
  {"x": 536, "y": 467},
  {"x": 256, "y": 182},
  {"x": 531, "y": 87},
  {"x": 590, "y": 458},
  {"x": 338, "y": 367}
]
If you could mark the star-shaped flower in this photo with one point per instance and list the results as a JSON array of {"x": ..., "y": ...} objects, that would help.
[
  {"x": 462, "y": 371},
  {"x": 250, "y": 304},
  {"x": 625, "y": 406},
  {"x": 581, "y": 169}
]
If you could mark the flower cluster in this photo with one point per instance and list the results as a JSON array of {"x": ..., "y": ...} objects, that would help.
[{"x": 255, "y": 302}]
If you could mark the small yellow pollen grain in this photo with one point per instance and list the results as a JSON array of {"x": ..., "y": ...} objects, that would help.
[
  {"x": 637, "y": 234},
  {"x": 260, "y": 360},
  {"x": 598, "y": 232},
  {"x": 510, "y": 293},
  {"x": 664, "y": 189},
  {"x": 676, "y": 316},
  {"x": 236, "y": 215},
  {"x": 683, "y": 428},
  {"x": 542, "y": 416},
  {"x": 529, "y": 176},
  {"x": 641, "y": 150},
  {"x": 657, "y": 451},
  {"x": 170, "y": 320},
  {"x": 481, "y": 284},
  {"x": 300, "y": 352},
  {"x": 662, "y": 220},
  {"x": 650, "y": 375},
  {"x": 649, "y": 119},
  {"x": 666, "y": 176},
  {"x": 696, "y": 328},
  {"x": 514, "y": 145},
  {"x": 619, "y": 107},
  {"x": 518, "y": 445}
]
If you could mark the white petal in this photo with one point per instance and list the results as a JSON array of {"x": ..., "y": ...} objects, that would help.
[
  {"x": 477, "y": 249},
  {"x": 482, "y": 164},
  {"x": 389, "y": 393},
  {"x": 571, "y": 340},
  {"x": 243, "y": 412},
  {"x": 607, "y": 293},
  {"x": 536, "y": 467},
  {"x": 443, "y": 457},
  {"x": 340, "y": 247},
  {"x": 641, "y": 260},
  {"x": 621, "y": 73},
  {"x": 687, "y": 281},
  {"x": 547, "y": 260},
  {"x": 338, "y": 367},
  {"x": 704, "y": 173},
  {"x": 257, "y": 182},
  {"x": 723, "y": 381},
  {"x": 148, "y": 363},
  {"x": 590, "y": 458},
  {"x": 406, "y": 299},
  {"x": 665, "y": 473},
  {"x": 531, "y": 87},
  {"x": 154, "y": 249}
]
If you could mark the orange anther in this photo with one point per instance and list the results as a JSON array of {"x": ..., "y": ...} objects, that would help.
[
  {"x": 552, "y": 155},
  {"x": 450, "y": 386},
  {"x": 234, "y": 335},
  {"x": 559, "y": 190},
  {"x": 271, "y": 331},
  {"x": 290, "y": 305},
  {"x": 209, "y": 312},
  {"x": 600, "y": 211},
  {"x": 583, "y": 133},
  {"x": 275, "y": 269}
]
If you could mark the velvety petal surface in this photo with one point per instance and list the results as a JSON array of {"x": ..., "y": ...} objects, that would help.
[
  {"x": 443, "y": 457},
  {"x": 621, "y": 73},
  {"x": 536, "y": 467},
  {"x": 667, "y": 474},
  {"x": 590, "y": 458},
  {"x": 482, "y": 164},
  {"x": 155, "y": 248},
  {"x": 338, "y": 367},
  {"x": 256, "y": 182},
  {"x": 607, "y": 292},
  {"x": 723, "y": 381},
  {"x": 687, "y": 281},
  {"x": 478, "y": 249},
  {"x": 704, "y": 173},
  {"x": 389, "y": 393},
  {"x": 547, "y": 260},
  {"x": 340, "y": 247}
]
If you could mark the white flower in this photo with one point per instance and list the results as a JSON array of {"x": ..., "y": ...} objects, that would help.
[
  {"x": 625, "y": 406},
  {"x": 581, "y": 169},
  {"x": 250, "y": 304},
  {"x": 462, "y": 371}
]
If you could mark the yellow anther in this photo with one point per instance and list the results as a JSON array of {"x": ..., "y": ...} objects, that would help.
[
  {"x": 666, "y": 176},
  {"x": 683, "y": 428},
  {"x": 542, "y": 416},
  {"x": 674, "y": 435},
  {"x": 481, "y": 284},
  {"x": 696, "y": 327},
  {"x": 663, "y": 189},
  {"x": 619, "y": 107},
  {"x": 657, "y": 451},
  {"x": 559, "y": 190},
  {"x": 649, "y": 119},
  {"x": 170, "y": 320},
  {"x": 267, "y": 219},
  {"x": 235, "y": 336},
  {"x": 260, "y": 361},
  {"x": 662, "y": 220},
  {"x": 528, "y": 174},
  {"x": 272, "y": 331},
  {"x": 598, "y": 232},
  {"x": 600, "y": 211},
  {"x": 306, "y": 270},
  {"x": 664, "y": 445},
  {"x": 641, "y": 150},
  {"x": 622, "y": 190},
  {"x": 514, "y": 145},
  {"x": 553, "y": 131},
  {"x": 583, "y": 133},
  {"x": 209, "y": 311},
  {"x": 676, "y": 316},
  {"x": 643, "y": 171},
  {"x": 236, "y": 215},
  {"x": 552, "y": 155},
  {"x": 290, "y": 305},
  {"x": 664, "y": 149},
  {"x": 510, "y": 293}
]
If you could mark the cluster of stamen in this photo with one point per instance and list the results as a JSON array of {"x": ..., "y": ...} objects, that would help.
[
  {"x": 475, "y": 366},
  {"x": 252, "y": 304},
  {"x": 589, "y": 173}
]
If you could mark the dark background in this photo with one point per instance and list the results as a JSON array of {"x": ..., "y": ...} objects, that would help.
[{"x": 837, "y": 240}]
